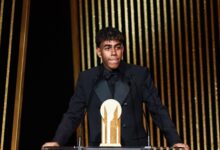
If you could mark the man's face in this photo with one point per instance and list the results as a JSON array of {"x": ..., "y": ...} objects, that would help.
[{"x": 111, "y": 53}]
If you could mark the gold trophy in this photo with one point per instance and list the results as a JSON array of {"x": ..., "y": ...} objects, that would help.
[{"x": 111, "y": 123}]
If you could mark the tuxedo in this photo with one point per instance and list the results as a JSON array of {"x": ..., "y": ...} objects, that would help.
[{"x": 132, "y": 87}]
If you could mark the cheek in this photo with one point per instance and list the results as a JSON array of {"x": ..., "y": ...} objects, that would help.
[
  {"x": 120, "y": 53},
  {"x": 105, "y": 55}
]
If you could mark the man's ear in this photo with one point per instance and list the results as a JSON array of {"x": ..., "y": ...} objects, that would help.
[
  {"x": 123, "y": 49},
  {"x": 98, "y": 52}
]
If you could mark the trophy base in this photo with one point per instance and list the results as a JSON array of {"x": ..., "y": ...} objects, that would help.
[{"x": 110, "y": 145}]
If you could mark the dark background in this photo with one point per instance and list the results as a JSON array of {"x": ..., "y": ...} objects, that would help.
[{"x": 49, "y": 72}]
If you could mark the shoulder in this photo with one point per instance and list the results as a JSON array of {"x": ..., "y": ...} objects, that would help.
[
  {"x": 92, "y": 70},
  {"x": 138, "y": 73},
  {"x": 90, "y": 74},
  {"x": 137, "y": 69}
]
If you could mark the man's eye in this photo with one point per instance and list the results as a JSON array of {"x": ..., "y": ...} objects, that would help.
[
  {"x": 118, "y": 47},
  {"x": 107, "y": 48}
]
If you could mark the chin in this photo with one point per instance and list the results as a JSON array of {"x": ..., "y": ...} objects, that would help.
[{"x": 113, "y": 67}]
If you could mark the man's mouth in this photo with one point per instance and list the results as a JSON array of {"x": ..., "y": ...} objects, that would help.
[{"x": 113, "y": 60}]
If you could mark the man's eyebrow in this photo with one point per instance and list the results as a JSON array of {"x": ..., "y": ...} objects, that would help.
[
  {"x": 112, "y": 45},
  {"x": 107, "y": 45}
]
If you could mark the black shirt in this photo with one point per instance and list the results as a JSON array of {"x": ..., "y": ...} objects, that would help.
[{"x": 111, "y": 77}]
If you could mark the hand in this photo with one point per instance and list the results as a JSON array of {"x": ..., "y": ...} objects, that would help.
[
  {"x": 185, "y": 146},
  {"x": 50, "y": 144}
]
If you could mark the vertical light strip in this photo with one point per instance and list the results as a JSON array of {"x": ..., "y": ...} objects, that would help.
[
  {"x": 140, "y": 40},
  {"x": 144, "y": 107},
  {"x": 5, "y": 103},
  {"x": 7, "y": 79},
  {"x": 218, "y": 16},
  {"x": 127, "y": 31},
  {"x": 166, "y": 38},
  {"x": 190, "y": 121},
  {"x": 146, "y": 33},
  {"x": 20, "y": 74},
  {"x": 86, "y": 124},
  {"x": 88, "y": 48},
  {"x": 181, "y": 73},
  {"x": 194, "y": 73},
  {"x": 153, "y": 41},
  {"x": 75, "y": 38},
  {"x": 94, "y": 32},
  {"x": 1, "y": 19},
  {"x": 174, "y": 64},
  {"x": 208, "y": 75},
  {"x": 203, "y": 125},
  {"x": 160, "y": 51},
  {"x": 76, "y": 54},
  {"x": 82, "y": 42},
  {"x": 113, "y": 12},
  {"x": 106, "y": 13},
  {"x": 133, "y": 37},
  {"x": 100, "y": 14},
  {"x": 154, "y": 56},
  {"x": 215, "y": 73},
  {"x": 119, "y": 15}
]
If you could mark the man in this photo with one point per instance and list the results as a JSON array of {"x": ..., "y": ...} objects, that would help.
[{"x": 130, "y": 85}]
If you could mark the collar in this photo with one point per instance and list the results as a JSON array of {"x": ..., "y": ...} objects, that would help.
[{"x": 107, "y": 74}]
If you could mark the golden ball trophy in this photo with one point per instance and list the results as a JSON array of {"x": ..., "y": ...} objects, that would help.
[{"x": 111, "y": 123}]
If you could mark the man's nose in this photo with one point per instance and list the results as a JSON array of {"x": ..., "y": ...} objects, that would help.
[{"x": 113, "y": 51}]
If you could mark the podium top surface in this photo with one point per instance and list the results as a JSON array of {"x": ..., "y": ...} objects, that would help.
[{"x": 111, "y": 148}]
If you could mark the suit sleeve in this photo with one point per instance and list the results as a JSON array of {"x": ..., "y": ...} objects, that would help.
[
  {"x": 158, "y": 111},
  {"x": 73, "y": 116}
]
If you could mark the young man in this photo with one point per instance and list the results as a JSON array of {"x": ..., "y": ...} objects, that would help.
[{"x": 130, "y": 85}]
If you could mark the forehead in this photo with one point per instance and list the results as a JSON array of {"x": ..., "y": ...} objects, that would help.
[{"x": 110, "y": 42}]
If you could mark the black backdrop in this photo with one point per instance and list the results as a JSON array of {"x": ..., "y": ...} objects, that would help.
[{"x": 49, "y": 72}]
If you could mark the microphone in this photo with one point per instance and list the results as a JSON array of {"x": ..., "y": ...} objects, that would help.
[
  {"x": 148, "y": 133},
  {"x": 79, "y": 141},
  {"x": 148, "y": 139}
]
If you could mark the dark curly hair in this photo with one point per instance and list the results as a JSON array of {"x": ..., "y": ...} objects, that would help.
[{"x": 109, "y": 33}]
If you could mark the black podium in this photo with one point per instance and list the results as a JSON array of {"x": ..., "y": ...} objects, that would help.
[{"x": 111, "y": 148}]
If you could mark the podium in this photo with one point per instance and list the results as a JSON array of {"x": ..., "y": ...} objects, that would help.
[{"x": 111, "y": 148}]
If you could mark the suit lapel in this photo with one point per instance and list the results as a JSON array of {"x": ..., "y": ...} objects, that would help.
[
  {"x": 102, "y": 90},
  {"x": 121, "y": 91},
  {"x": 121, "y": 87}
]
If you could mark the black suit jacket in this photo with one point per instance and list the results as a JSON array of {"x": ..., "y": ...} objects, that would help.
[{"x": 134, "y": 89}]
